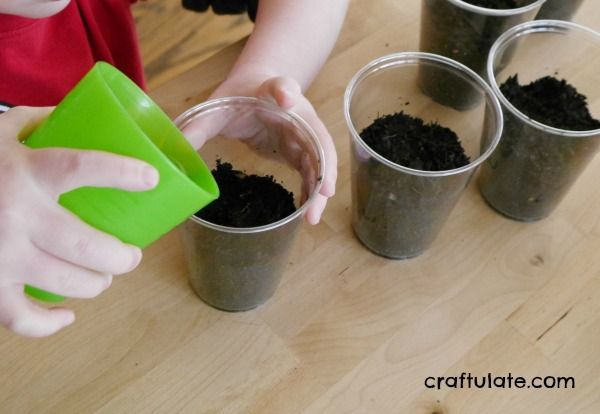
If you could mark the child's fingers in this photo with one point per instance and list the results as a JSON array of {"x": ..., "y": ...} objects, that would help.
[
  {"x": 285, "y": 91},
  {"x": 23, "y": 317},
  {"x": 330, "y": 174},
  {"x": 288, "y": 94},
  {"x": 314, "y": 212},
  {"x": 20, "y": 121},
  {"x": 49, "y": 273},
  {"x": 208, "y": 126},
  {"x": 60, "y": 233},
  {"x": 61, "y": 170}
]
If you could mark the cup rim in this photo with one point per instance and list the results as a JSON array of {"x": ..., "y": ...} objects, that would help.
[
  {"x": 102, "y": 71},
  {"x": 521, "y": 30},
  {"x": 211, "y": 104},
  {"x": 497, "y": 12},
  {"x": 403, "y": 58}
]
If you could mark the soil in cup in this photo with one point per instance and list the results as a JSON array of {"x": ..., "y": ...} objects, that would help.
[
  {"x": 465, "y": 36},
  {"x": 532, "y": 169},
  {"x": 412, "y": 143},
  {"x": 246, "y": 200},
  {"x": 239, "y": 271},
  {"x": 552, "y": 102},
  {"x": 494, "y": 4},
  {"x": 398, "y": 214}
]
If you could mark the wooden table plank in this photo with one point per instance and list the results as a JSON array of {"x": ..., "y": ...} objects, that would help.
[{"x": 173, "y": 40}]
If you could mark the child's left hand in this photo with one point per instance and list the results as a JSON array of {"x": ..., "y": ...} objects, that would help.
[{"x": 287, "y": 93}]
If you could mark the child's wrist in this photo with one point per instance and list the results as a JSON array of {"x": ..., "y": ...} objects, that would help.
[
  {"x": 244, "y": 80},
  {"x": 249, "y": 72}
]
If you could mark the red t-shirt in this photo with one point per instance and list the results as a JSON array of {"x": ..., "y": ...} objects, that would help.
[{"x": 42, "y": 59}]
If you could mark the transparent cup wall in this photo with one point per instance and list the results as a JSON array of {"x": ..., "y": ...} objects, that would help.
[
  {"x": 535, "y": 165},
  {"x": 396, "y": 211},
  {"x": 464, "y": 32},
  {"x": 237, "y": 269},
  {"x": 559, "y": 9}
]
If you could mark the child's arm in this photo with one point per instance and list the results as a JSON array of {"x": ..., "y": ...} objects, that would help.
[
  {"x": 291, "y": 38},
  {"x": 43, "y": 244},
  {"x": 289, "y": 44}
]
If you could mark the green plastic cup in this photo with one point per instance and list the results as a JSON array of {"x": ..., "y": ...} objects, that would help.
[{"x": 106, "y": 111}]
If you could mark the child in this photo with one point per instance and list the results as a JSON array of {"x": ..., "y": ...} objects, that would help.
[{"x": 46, "y": 47}]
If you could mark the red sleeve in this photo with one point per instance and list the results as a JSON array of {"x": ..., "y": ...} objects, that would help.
[{"x": 42, "y": 59}]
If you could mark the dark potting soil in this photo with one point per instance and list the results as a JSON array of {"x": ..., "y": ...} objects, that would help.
[
  {"x": 412, "y": 143},
  {"x": 494, "y": 4},
  {"x": 552, "y": 102},
  {"x": 247, "y": 200}
]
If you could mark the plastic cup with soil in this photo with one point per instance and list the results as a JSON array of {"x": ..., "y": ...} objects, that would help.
[
  {"x": 268, "y": 166},
  {"x": 412, "y": 157},
  {"x": 550, "y": 94},
  {"x": 559, "y": 9},
  {"x": 465, "y": 31}
]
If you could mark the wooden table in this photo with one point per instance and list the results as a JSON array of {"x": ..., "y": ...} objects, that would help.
[{"x": 347, "y": 331}]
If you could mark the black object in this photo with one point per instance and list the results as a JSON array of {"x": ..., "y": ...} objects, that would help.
[
  {"x": 551, "y": 102},
  {"x": 494, "y": 4},
  {"x": 223, "y": 6},
  {"x": 246, "y": 200},
  {"x": 4, "y": 106},
  {"x": 559, "y": 9},
  {"x": 412, "y": 143}
]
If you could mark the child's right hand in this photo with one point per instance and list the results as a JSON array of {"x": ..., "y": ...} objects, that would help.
[{"x": 41, "y": 243}]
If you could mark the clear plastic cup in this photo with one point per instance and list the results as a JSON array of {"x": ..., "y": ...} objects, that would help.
[
  {"x": 398, "y": 211},
  {"x": 237, "y": 269},
  {"x": 559, "y": 9},
  {"x": 535, "y": 165},
  {"x": 464, "y": 32}
]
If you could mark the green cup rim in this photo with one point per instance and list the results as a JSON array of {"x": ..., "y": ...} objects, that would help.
[{"x": 166, "y": 122}]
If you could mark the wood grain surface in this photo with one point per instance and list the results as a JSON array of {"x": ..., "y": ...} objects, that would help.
[
  {"x": 173, "y": 39},
  {"x": 347, "y": 331}
]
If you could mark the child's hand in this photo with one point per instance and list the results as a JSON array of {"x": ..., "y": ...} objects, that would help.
[
  {"x": 43, "y": 244},
  {"x": 287, "y": 94}
]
